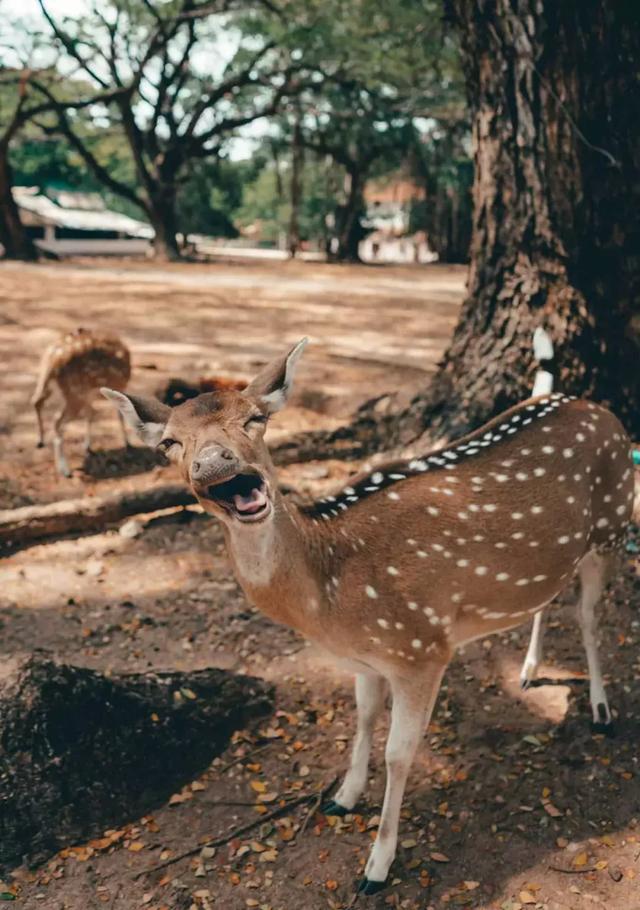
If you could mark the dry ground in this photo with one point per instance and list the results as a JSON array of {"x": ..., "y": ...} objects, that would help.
[{"x": 512, "y": 803}]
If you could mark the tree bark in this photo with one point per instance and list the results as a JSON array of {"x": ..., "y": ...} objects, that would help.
[
  {"x": 81, "y": 752},
  {"x": 13, "y": 236},
  {"x": 556, "y": 224}
]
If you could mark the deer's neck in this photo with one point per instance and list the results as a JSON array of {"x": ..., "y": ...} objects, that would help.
[{"x": 283, "y": 567}]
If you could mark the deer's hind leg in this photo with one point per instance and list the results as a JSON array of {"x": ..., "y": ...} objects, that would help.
[
  {"x": 66, "y": 413},
  {"x": 594, "y": 571},
  {"x": 370, "y": 693},
  {"x": 531, "y": 663}
]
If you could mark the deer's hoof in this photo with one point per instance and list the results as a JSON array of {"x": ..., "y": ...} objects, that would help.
[
  {"x": 39, "y": 445},
  {"x": 525, "y": 683},
  {"x": 608, "y": 728},
  {"x": 334, "y": 808},
  {"x": 368, "y": 886}
]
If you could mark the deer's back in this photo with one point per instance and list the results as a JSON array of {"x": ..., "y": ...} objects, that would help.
[{"x": 84, "y": 360}]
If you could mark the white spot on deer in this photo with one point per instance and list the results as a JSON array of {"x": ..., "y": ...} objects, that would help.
[
  {"x": 473, "y": 507},
  {"x": 481, "y": 570},
  {"x": 539, "y": 472},
  {"x": 371, "y": 592},
  {"x": 478, "y": 537},
  {"x": 377, "y": 477},
  {"x": 489, "y": 507},
  {"x": 517, "y": 516},
  {"x": 399, "y": 626},
  {"x": 463, "y": 516},
  {"x": 580, "y": 437},
  {"x": 421, "y": 554},
  {"x": 392, "y": 570},
  {"x": 494, "y": 615},
  {"x": 437, "y": 547},
  {"x": 502, "y": 478},
  {"x": 502, "y": 576},
  {"x": 375, "y": 641},
  {"x": 412, "y": 605},
  {"x": 602, "y": 523},
  {"x": 416, "y": 643},
  {"x": 539, "y": 577},
  {"x": 521, "y": 582},
  {"x": 548, "y": 450},
  {"x": 564, "y": 539},
  {"x": 567, "y": 453},
  {"x": 500, "y": 545},
  {"x": 456, "y": 598},
  {"x": 434, "y": 620},
  {"x": 462, "y": 563},
  {"x": 571, "y": 500},
  {"x": 578, "y": 535},
  {"x": 428, "y": 611},
  {"x": 393, "y": 495},
  {"x": 536, "y": 510},
  {"x": 382, "y": 623},
  {"x": 433, "y": 511}
]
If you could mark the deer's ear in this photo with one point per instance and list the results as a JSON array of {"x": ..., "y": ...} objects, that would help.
[
  {"x": 147, "y": 416},
  {"x": 272, "y": 386}
]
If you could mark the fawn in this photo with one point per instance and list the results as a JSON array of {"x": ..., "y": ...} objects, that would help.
[
  {"x": 413, "y": 559},
  {"x": 80, "y": 362}
]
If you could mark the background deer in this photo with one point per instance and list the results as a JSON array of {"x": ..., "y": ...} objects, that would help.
[
  {"x": 80, "y": 362},
  {"x": 413, "y": 559}
]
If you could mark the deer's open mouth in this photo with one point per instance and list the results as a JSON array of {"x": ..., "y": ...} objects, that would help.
[{"x": 245, "y": 496}]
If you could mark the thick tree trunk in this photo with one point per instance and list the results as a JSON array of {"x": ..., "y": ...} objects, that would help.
[
  {"x": 556, "y": 225},
  {"x": 13, "y": 236},
  {"x": 162, "y": 214},
  {"x": 349, "y": 230},
  {"x": 81, "y": 752}
]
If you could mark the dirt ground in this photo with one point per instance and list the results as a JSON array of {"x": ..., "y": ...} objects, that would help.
[{"x": 512, "y": 802}]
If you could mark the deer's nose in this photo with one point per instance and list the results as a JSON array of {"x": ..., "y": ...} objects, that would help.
[{"x": 213, "y": 462}]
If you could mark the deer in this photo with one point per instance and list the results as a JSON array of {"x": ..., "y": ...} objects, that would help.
[
  {"x": 79, "y": 362},
  {"x": 413, "y": 559}
]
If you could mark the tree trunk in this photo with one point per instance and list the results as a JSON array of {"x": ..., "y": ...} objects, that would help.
[
  {"x": 13, "y": 236},
  {"x": 162, "y": 214},
  {"x": 296, "y": 189},
  {"x": 81, "y": 752},
  {"x": 556, "y": 225},
  {"x": 349, "y": 230}
]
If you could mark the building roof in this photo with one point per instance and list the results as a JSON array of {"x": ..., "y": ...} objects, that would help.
[{"x": 38, "y": 209}]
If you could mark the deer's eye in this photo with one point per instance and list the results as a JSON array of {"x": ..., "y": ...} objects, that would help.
[
  {"x": 256, "y": 420},
  {"x": 165, "y": 444}
]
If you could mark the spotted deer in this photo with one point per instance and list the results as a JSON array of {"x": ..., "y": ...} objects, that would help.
[
  {"x": 80, "y": 362},
  {"x": 412, "y": 560}
]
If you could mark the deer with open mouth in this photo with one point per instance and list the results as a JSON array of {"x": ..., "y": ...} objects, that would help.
[{"x": 412, "y": 560}]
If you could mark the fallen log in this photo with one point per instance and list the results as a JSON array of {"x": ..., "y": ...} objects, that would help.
[
  {"x": 91, "y": 513},
  {"x": 81, "y": 752}
]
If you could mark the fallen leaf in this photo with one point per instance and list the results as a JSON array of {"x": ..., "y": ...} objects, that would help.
[
  {"x": 439, "y": 858},
  {"x": 258, "y": 785},
  {"x": 552, "y": 810},
  {"x": 580, "y": 859},
  {"x": 136, "y": 846},
  {"x": 526, "y": 897},
  {"x": 331, "y": 884}
]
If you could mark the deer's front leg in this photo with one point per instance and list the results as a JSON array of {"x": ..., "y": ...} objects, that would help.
[
  {"x": 413, "y": 703},
  {"x": 370, "y": 690}
]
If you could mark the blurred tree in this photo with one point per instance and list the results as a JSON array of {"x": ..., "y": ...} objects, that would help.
[
  {"x": 25, "y": 95},
  {"x": 378, "y": 67},
  {"x": 440, "y": 159},
  {"x": 177, "y": 98}
]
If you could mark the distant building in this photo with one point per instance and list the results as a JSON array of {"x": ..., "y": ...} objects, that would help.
[
  {"x": 79, "y": 224},
  {"x": 388, "y": 210}
]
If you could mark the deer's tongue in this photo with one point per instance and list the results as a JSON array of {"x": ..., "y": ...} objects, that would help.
[{"x": 255, "y": 501}]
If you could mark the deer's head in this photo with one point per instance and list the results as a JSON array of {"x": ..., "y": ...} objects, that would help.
[{"x": 217, "y": 439}]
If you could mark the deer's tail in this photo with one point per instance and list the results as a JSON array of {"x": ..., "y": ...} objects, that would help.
[{"x": 543, "y": 352}]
